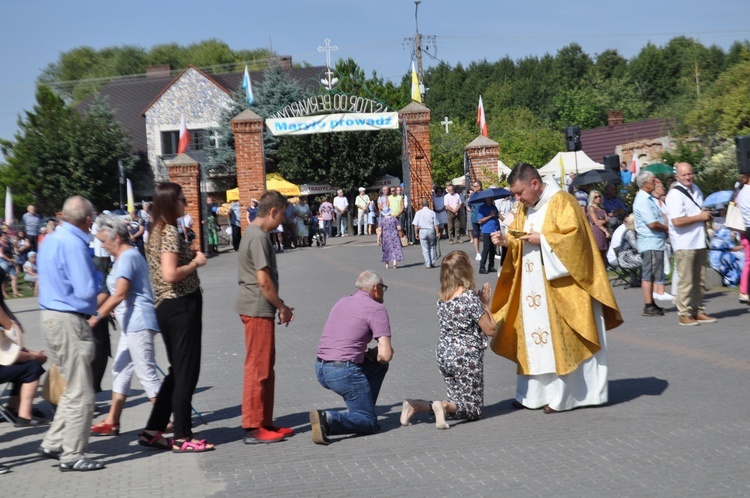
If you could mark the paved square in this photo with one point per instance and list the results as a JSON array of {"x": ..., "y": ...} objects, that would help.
[{"x": 675, "y": 424}]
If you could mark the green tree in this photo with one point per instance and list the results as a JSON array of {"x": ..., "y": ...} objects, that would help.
[
  {"x": 349, "y": 159},
  {"x": 724, "y": 109},
  {"x": 684, "y": 151},
  {"x": 647, "y": 72},
  {"x": 610, "y": 64},
  {"x": 448, "y": 149},
  {"x": 718, "y": 170},
  {"x": 738, "y": 52},
  {"x": 524, "y": 138},
  {"x": 80, "y": 72},
  {"x": 277, "y": 90},
  {"x": 619, "y": 94},
  {"x": 345, "y": 160},
  {"x": 168, "y": 53},
  {"x": 572, "y": 66},
  {"x": 579, "y": 107},
  {"x": 59, "y": 152},
  {"x": 210, "y": 54},
  {"x": 221, "y": 158}
]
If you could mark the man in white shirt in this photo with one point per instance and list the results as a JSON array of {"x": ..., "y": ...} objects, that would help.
[
  {"x": 687, "y": 233},
  {"x": 426, "y": 231},
  {"x": 452, "y": 203},
  {"x": 361, "y": 202},
  {"x": 341, "y": 206}
]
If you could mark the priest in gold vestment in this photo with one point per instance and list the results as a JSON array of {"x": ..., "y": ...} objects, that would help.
[{"x": 553, "y": 301}]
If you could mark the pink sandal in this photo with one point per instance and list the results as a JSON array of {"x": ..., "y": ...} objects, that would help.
[{"x": 191, "y": 446}]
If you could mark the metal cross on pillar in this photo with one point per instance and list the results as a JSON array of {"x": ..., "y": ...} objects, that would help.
[
  {"x": 446, "y": 122},
  {"x": 216, "y": 137}
]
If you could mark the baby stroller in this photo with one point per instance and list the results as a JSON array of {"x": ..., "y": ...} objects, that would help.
[{"x": 317, "y": 231}]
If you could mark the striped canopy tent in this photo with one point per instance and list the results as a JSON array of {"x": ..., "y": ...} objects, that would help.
[{"x": 274, "y": 181}]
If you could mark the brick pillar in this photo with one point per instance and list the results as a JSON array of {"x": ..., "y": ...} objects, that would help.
[
  {"x": 185, "y": 170},
  {"x": 417, "y": 120},
  {"x": 248, "y": 148},
  {"x": 483, "y": 155}
]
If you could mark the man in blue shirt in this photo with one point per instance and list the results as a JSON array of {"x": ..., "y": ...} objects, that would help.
[
  {"x": 615, "y": 208},
  {"x": 488, "y": 223},
  {"x": 234, "y": 221},
  {"x": 476, "y": 230},
  {"x": 31, "y": 225},
  {"x": 652, "y": 237},
  {"x": 69, "y": 284}
]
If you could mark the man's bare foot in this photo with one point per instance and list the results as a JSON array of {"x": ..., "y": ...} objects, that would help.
[
  {"x": 440, "y": 423},
  {"x": 407, "y": 411}
]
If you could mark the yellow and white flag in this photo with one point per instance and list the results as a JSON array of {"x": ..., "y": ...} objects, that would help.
[
  {"x": 416, "y": 96},
  {"x": 130, "y": 197},
  {"x": 562, "y": 169}
]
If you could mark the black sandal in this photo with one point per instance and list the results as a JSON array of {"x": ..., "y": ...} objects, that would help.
[{"x": 149, "y": 441}]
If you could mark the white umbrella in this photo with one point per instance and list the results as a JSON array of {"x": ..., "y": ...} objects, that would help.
[{"x": 8, "y": 207}]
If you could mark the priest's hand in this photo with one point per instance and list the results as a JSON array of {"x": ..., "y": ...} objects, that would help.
[
  {"x": 532, "y": 238},
  {"x": 499, "y": 239}
]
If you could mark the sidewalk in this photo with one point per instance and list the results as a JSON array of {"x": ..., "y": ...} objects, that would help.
[{"x": 675, "y": 424}]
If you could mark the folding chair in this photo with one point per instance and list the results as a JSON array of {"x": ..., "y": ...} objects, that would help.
[
  {"x": 621, "y": 275},
  {"x": 4, "y": 412}
]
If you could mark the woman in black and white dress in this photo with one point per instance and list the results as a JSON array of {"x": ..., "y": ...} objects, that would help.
[{"x": 465, "y": 323}]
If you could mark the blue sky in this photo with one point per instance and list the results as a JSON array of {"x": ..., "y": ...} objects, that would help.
[{"x": 34, "y": 32}]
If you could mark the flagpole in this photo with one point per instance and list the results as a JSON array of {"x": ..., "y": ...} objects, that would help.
[{"x": 121, "y": 176}]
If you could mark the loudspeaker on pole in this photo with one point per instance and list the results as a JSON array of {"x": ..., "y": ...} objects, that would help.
[
  {"x": 573, "y": 138},
  {"x": 743, "y": 153},
  {"x": 612, "y": 163}
]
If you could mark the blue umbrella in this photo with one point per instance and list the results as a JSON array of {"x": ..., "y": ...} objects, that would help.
[
  {"x": 490, "y": 193},
  {"x": 720, "y": 197}
]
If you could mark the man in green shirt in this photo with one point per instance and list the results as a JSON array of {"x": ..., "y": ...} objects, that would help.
[{"x": 257, "y": 304}]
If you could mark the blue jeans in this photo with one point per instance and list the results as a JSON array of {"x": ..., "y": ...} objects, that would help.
[
  {"x": 359, "y": 385},
  {"x": 327, "y": 227},
  {"x": 428, "y": 239},
  {"x": 341, "y": 222}
]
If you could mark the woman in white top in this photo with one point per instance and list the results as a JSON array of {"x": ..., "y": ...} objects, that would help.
[
  {"x": 132, "y": 300},
  {"x": 660, "y": 293}
]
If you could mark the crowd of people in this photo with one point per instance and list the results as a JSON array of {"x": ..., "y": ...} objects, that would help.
[
  {"x": 551, "y": 306},
  {"x": 664, "y": 223}
]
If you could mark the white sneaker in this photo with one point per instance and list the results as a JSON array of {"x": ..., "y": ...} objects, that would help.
[
  {"x": 666, "y": 297},
  {"x": 478, "y": 257}
]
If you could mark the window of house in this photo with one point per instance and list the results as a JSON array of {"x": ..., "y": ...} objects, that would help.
[{"x": 171, "y": 139}]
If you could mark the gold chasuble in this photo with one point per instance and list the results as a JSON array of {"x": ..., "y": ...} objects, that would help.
[{"x": 548, "y": 298}]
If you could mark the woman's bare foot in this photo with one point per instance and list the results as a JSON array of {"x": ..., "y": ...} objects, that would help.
[
  {"x": 407, "y": 411},
  {"x": 440, "y": 422}
]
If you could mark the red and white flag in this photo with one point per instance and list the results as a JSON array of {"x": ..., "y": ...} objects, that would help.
[
  {"x": 481, "y": 121},
  {"x": 184, "y": 137}
]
